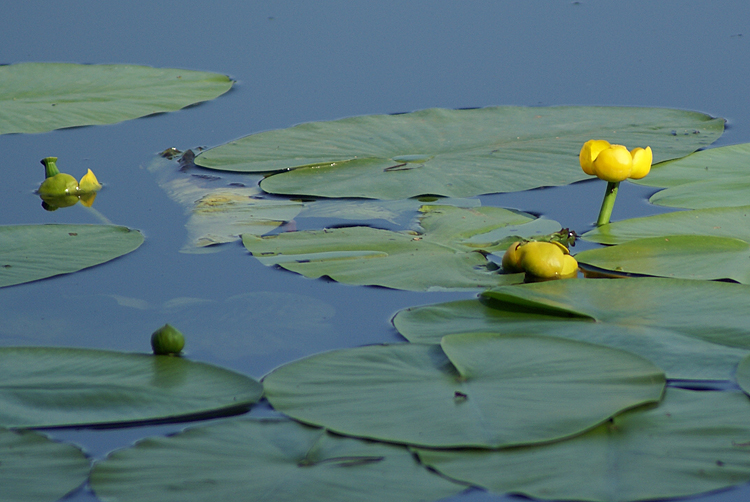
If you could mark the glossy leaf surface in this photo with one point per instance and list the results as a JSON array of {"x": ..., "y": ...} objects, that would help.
[
  {"x": 52, "y": 387},
  {"x": 32, "y": 252},
  {"x": 36, "y": 469},
  {"x": 693, "y": 442},
  {"x": 265, "y": 460},
  {"x": 454, "y": 153},
  {"x": 480, "y": 390},
  {"x": 39, "y": 97},
  {"x": 449, "y": 254}
]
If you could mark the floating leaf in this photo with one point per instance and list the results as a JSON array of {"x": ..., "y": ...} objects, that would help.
[
  {"x": 680, "y": 256},
  {"x": 52, "y": 387},
  {"x": 32, "y": 252},
  {"x": 743, "y": 374},
  {"x": 34, "y": 468},
  {"x": 718, "y": 222},
  {"x": 691, "y": 329},
  {"x": 724, "y": 192},
  {"x": 455, "y": 153},
  {"x": 481, "y": 390},
  {"x": 692, "y": 443},
  {"x": 450, "y": 253},
  {"x": 39, "y": 97},
  {"x": 265, "y": 460}
]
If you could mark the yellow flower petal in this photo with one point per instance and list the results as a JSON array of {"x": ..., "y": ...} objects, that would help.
[
  {"x": 613, "y": 164},
  {"x": 642, "y": 159},
  {"x": 89, "y": 183},
  {"x": 589, "y": 152}
]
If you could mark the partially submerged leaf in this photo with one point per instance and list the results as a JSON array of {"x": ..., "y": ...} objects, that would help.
[
  {"x": 450, "y": 253},
  {"x": 265, "y": 460},
  {"x": 680, "y": 256},
  {"x": 454, "y": 153},
  {"x": 53, "y": 387},
  {"x": 481, "y": 390},
  {"x": 693, "y": 442},
  {"x": 32, "y": 252},
  {"x": 39, "y": 97},
  {"x": 34, "y": 468}
]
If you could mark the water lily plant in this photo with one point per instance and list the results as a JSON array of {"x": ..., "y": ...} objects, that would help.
[
  {"x": 548, "y": 258},
  {"x": 613, "y": 164},
  {"x": 62, "y": 190}
]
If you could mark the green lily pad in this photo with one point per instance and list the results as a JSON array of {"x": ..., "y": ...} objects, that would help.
[
  {"x": 482, "y": 390},
  {"x": 39, "y": 97},
  {"x": 733, "y": 222},
  {"x": 691, "y": 329},
  {"x": 53, "y": 387},
  {"x": 265, "y": 460},
  {"x": 743, "y": 374},
  {"x": 32, "y": 252},
  {"x": 449, "y": 254},
  {"x": 681, "y": 256},
  {"x": 723, "y": 192},
  {"x": 34, "y": 468},
  {"x": 693, "y": 442},
  {"x": 709, "y": 164},
  {"x": 453, "y": 153}
]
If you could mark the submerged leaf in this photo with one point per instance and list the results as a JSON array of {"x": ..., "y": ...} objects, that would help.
[
  {"x": 454, "y": 153},
  {"x": 482, "y": 390}
]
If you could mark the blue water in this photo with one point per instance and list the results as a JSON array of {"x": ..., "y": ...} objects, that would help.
[{"x": 296, "y": 62}]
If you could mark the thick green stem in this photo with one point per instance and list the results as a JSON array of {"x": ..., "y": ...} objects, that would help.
[
  {"x": 50, "y": 168},
  {"x": 608, "y": 203}
]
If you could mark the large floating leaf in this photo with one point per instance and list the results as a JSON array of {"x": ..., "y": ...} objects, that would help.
[
  {"x": 743, "y": 374},
  {"x": 32, "y": 252},
  {"x": 36, "y": 469},
  {"x": 50, "y": 387},
  {"x": 691, "y": 443},
  {"x": 455, "y": 153},
  {"x": 691, "y": 329},
  {"x": 39, "y": 97},
  {"x": 718, "y": 222},
  {"x": 450, "y": 253},
  {"x": 480, "y": 390},
  {"x": 723, "y": 192},
  {"x": 265, "y": 461},
  {"x": 680, "y": 256}
]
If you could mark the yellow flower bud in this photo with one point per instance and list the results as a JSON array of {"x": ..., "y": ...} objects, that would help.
[
  {"x": 59, "y": 185},
  {"x": 542, "y": 259},
  {"x": 613, "y": 164},
  {"x": 642, "y": 159},
  {"x": 570, "y": 266},
  {"x": 511, "y": 258},
  {"x": 590, "y": 152}
]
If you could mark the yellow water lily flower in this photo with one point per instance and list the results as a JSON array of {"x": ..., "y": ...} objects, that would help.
[
  {"x": 614, "y": 163},
  {"x": 89, "y": 183}
]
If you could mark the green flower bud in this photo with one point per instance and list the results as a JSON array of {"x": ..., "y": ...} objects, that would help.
[{"x": 167, "y": 340}]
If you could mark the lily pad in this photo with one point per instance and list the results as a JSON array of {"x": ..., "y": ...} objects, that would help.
[
  {"x": 32, "y": 252},
  {"x": 723, "y": 192},
  {"x": 712, "y": 163},
  {"x": 681, "y": 256},
  {"x": 691, "y": 329},
  {"x": 265, "y": 460},
  {"x": 482, "y": 390},
  {"x": 454, "y": 153},
  {"x": 693, "y": 442},
  {"x": 34, "y": 468},
  {"x": 39, "y": 97},
  {"x": 54, "y": 387},
  {"x": 449, "y": 254},
  {"x": 743, "y": 374},
  {"x": 733, "y": 222}
]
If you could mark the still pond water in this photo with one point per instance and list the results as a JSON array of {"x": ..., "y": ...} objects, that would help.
[{"x": 297, "y": 62}]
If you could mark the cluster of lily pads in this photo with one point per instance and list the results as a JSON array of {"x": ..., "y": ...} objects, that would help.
[{"x": 569, "y": 389}]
